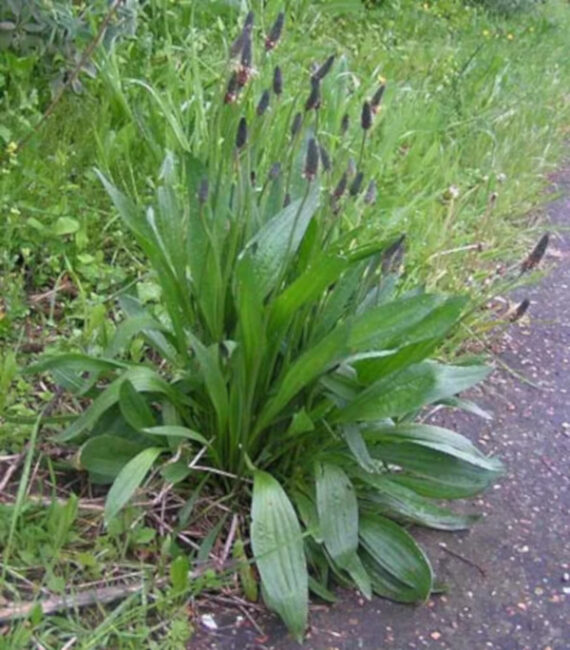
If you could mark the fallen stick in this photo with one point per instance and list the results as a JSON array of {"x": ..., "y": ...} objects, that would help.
[
  {"x": 463, "y": 559},
  {"x": 70, "y": 601}
]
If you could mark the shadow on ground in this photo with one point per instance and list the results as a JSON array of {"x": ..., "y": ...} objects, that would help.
[{"x": 509, "y": 583}]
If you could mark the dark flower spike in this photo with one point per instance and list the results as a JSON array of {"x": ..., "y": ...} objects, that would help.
[
  {"x": 277, "y": 81},
  {"x": 344, "y": 124},
  {"x": 232, "y": 89},
  {"x": 286, "y": 200},
  {"x": 392, "y": 257},
  {"x": 377, "y": 98},
  {"x": 275, "y": 171},
  {"x": 314, "y": 98},
  {"x": 247, "y": 52},
  {"x": 520, "y": 311},
  {"x": 248, "y": 22},
  {"x": 356, "y": 184},
  {"x": 536, "y": 255},
  {"x": 203, "y": 191},
  {"x": 312, "y": 160},
  {"x": 296, "y": 124},
  {"x": 323, "y": 71},
  {"x": 366, "y": 116},
  {"x": 371, "y": 193},
  {"x": 325, "y": 158},
  {"x": 241, "y": 136},
  {"x": 275, "y": 32},
  {"x": 237, "y": 46},
  {"x": 263, "y": 104},
  {"x": 340, "y": 188}
]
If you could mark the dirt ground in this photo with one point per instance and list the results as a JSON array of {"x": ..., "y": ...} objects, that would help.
[{"x": 509, "y": 577}]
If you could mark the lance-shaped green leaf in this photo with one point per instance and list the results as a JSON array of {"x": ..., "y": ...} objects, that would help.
[
  {"x": 405, "y": 391},
  {"x": 279, "y": 238},
  {"x": 432, "y": 437},
  {"x": 337, "y": 506},
  {"x": 106, "y": 455},
  {"x": 134, "y": 407},
  {"x": 277, "y": 544},
  {"x": 399, "y": 502},
  {"x": 129, "y": 480},
  {"x": 143, "y": 379},
  {"x": 395, "y": 551},
  {"x": 434, "y": 473}
]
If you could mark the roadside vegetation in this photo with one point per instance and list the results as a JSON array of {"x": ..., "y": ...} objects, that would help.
[{"x": 239, "y": 257}]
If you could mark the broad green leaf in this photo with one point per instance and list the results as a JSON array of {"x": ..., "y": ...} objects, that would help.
[
  {"x": 410, "y": 389},
  {"x": 129, "y": 480},
  {"x": 143, "y": 379},
  {"x": 277, "y": 545},
  {"x": 134, "y": 407},
  {"x": 277, "y": 240},
  {"x": 384, "y": 584},
  {"x": 373, "y": 369},
  {"x": 177, "y": 432},
  {"x": 338, "y": 512},
  {"x": 338, "y": 518},
  {"x": 397, "y": 501},
  {"x": 390, "y": 324},
  {"x": 306, "y": 288},
  {"x": 395, "y": 550},
  {"x": 106, "y": 455},
  {"x": 434, "y": 473},
  {"x": 438, "y": 438}
]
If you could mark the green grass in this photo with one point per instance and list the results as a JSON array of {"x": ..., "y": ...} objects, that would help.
[{"x": 474, "y": 101}]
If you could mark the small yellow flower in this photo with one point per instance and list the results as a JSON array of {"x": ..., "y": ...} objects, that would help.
[
  {"x": 15, "y": 212},
  {"x": 11, "y": 148},
  {"x": 426, "y": 6},
  {"x": 381, "y": 79},
  {"x": 486, "y": 33},
  {"x": 510, "y": 36}
]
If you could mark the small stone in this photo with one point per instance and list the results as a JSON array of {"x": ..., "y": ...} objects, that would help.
[
  {"x": 566, "y": 590},
  {"x": 209, "y": 622},
  {"x": 522, "y": 606},
  {"x": 435, "y": 635},
  {"x": 566, "y": 577}
]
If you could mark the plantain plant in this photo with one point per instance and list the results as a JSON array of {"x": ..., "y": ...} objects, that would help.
[{"x": 283, "y": 349}]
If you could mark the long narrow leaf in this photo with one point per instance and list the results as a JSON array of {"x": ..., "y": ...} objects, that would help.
[
  {"x": 396, "y": 551},
  {"x": 128, "y": 480},
  {"x": 279, "y": 554}
]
